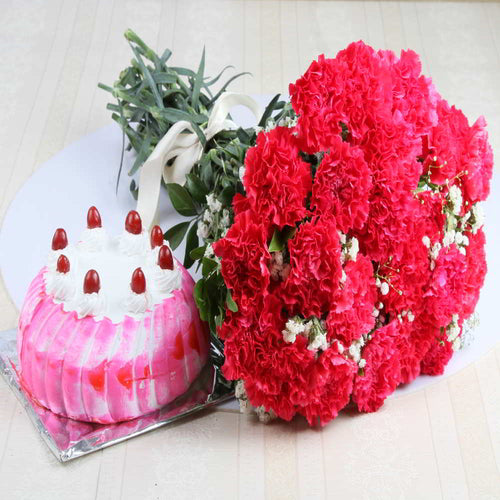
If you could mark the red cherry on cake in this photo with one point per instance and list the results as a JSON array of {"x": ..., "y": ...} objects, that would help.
[
  {"x": 60, "y": 239},
  {"x": 93, "y": 218},
  {"x": 63, "y": 264},
  {"x": 133, "y": 223},
  {"x": 165, "y": 259},
  {"x": 91, "y": 283},
  {"x": 156, "y": 237},
  {"x": 138, "y": 283}
]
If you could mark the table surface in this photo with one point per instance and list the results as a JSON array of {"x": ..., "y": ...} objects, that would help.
[{"x": 440, "y": 442}]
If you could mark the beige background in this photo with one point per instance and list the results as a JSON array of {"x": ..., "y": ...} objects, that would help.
[{"x": 441, "y": 442}]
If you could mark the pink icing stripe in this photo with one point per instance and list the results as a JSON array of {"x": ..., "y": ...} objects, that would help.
[
  {"x": 94, "y": 382},
  {"x": 54, "y": 367}
]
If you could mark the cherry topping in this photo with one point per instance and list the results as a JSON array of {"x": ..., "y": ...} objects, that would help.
[
  {"x": 93, "y": 218},
  {"x": 133, "y": 223},
  {"x": 63, "y": 264},
  {"x": 138, "y": 283},
  {"x": 156, "y": 237},
  {"x": 91, "y": 283},
  {"x": 60, "y": 239},
  {"x": 165, "y": 259}
]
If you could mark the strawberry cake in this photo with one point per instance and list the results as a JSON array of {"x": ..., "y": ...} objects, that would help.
[{"x": 109, "y": 329}]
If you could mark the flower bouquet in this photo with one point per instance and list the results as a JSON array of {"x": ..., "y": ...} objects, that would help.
[{"x": 340, "y": 241}]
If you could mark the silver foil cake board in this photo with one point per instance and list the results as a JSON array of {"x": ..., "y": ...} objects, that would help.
[{"x": 69, "y": 439}]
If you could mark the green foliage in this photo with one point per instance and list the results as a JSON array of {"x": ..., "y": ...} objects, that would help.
[{"x": 150, "y": 97}]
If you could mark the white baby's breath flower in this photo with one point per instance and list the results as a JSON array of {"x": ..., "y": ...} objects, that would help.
[
  {"x": 455, "y": 199},
  {"x": 208, "y": 217},
  {"x": 352, "y": 248},
  {"x": 410, "y": 316},
  {"x": 362, "y": 363},
  {"x": 209, "y": 252},
  {"x": 436, "y": 248},
  {"x": 241, "y": 172},
  {"x": 426, "y": 241},
  {"x": 203, "y": 230},
  {"x": 343, "y": 277},
  {"x": 384, "y": 288},
  {"x": 449, "y": 238},
  {"x": 213, "y": 203},
  {"x": 477, "y": 217}
]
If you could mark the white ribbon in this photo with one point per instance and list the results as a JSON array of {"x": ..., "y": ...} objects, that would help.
[{"x": 182, "y": 143}]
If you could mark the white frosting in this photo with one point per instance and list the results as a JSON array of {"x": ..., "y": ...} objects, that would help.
[
  {"x": 54, "y": 255},
  {"x": 91, "y": 304},
  {"x": 167, "y": 279},
  {"x": 93, "y": 240},
  {"x": 115, "y": 268},
  {"x": 137, "y": 303},
  {"x": 133, "y": 244},
  {"x": 60, "y": 285}
]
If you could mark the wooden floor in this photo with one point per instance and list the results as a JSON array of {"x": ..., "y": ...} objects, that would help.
[{"x": 441, "y": 442}]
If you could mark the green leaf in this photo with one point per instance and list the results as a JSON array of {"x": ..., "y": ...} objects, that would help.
[
  {"x": 191, "y": 244},
  {"x": 148, "y": 77},
  {"x": 176, "y": 233},
  {"x": 214, "y": 80},
  {"x": 199, "y": 297},
  {"x": 268, "y": 111},
  {"x": 163, "y": 77},
  {"x": 181, "y": 199},
  {"x": 224, "y": 87},
  {"x": 144, "y": 152},
  {"x": 227, "y": 195},
  {"x": 280, "y": 238},
  {"x": 197, "y": 253},
  {"x": 208, "y": 265},
  {"x": 277, "y": 243},
  {"x": 231, "y": 304},
  {"x": 198, "y": 80},
  {"x": 196, "y": 188}
]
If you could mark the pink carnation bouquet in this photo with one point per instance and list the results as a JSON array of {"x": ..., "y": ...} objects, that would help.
[{"x": 355, "y": 257}]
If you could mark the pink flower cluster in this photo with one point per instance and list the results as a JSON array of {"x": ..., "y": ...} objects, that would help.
[{"x": 375, "y": 191}]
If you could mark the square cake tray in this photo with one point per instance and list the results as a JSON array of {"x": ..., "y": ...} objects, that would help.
[{"x": 69, "y": 439}]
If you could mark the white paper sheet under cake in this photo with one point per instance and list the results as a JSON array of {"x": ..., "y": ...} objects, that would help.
[{"x": 59, "y": 193}]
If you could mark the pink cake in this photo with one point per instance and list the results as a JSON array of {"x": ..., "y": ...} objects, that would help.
[{"x": 109, "y": 329}]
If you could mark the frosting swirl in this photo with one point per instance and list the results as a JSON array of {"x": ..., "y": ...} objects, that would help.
[
  {"x": 137, "y": 303},
  {"x": 91, "y": 304},
  {"x": 93, "y": 240},
  {"x": 167, "y": 280},
  {"x": 60, "y": 285},
  {"x": 133, "y": 244}
]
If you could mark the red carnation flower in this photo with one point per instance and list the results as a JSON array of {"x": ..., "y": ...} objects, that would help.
[
  {"x": 382, "y": 371},
  {"x": 438, "y": 355},
  {"x": 342, "y": 186},
  {"x": 245, "y": 259},
  {"x": 351, "y": 313},
  {"x": 277, "y": 181},
  {"x": 331, "y": 381},
  {"x": 315, "y": 268}
]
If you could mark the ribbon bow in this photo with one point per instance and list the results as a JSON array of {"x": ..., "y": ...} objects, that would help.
[{"x": 182, "y": 143}]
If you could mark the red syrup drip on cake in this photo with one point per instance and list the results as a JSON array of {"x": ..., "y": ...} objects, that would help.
[
  {"x": 93, "y": 218},
  {"x": 156, "y": 237},
  {"x": 138, "y": 283},
  {"x": 92, "y": 282},
  {"x": 133, "y": 223},
  {"x": 165, "y": 259},
  {"x": 60, "y": 239},
  {"x": 63, "y": 265}
]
